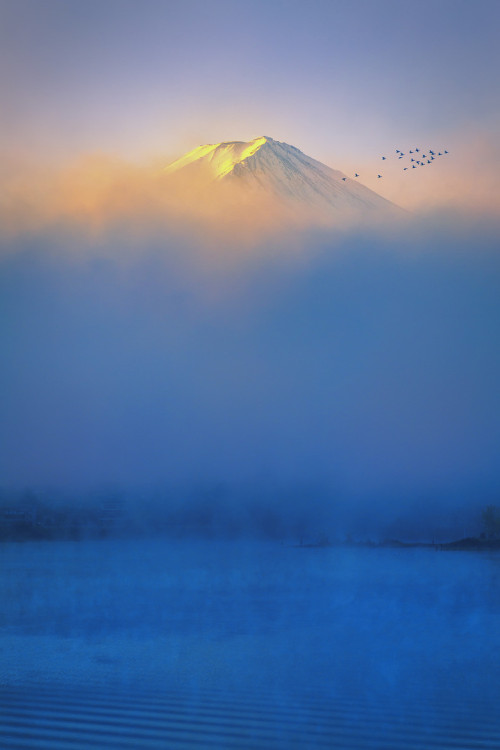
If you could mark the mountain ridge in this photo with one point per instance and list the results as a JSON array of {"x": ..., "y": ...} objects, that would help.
[{"x": 268, "y": 166}]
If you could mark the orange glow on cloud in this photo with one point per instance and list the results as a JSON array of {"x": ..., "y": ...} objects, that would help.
[{"x": 99, "y": 194}]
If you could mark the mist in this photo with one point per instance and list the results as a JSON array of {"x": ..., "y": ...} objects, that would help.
[{"x": 343, "y": 379}]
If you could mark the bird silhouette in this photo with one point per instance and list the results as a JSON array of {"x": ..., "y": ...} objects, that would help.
[
  {"x": 426, "y": 159},
  {"x": 344, "y": 178},
  {"x": 356, "y": 174}
]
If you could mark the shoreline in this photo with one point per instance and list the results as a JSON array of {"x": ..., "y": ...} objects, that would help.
[{"x": 468, "y": 544}]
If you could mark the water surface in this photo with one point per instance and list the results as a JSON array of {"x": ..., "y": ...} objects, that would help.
[{"x": 155, "y": 643}]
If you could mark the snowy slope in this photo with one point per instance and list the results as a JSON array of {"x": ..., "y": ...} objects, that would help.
[{"x": 281, "y": 170}]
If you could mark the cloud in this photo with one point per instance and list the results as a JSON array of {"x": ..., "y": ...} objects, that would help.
[
  {"x": 99, "y": 197},
  {"x": 99, "y": 194},
  {"x": 365, "y": 365},
  {"x": 141, "y": 352}
]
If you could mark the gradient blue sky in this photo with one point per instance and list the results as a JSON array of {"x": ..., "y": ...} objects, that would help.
[{"x": 341, "y": 79}]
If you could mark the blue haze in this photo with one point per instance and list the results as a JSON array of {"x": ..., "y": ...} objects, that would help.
[{"x": 358, "y": 381}]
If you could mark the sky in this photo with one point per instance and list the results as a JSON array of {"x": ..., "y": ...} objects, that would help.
[
  {"x": 343, "y": 81},
  {"x": 140, "y": 353}
]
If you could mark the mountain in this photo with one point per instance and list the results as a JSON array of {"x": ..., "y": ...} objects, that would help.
[{"x": 265, "y": 166}]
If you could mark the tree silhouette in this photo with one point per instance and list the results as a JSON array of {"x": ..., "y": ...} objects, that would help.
[{"x": 491, "y": 521}]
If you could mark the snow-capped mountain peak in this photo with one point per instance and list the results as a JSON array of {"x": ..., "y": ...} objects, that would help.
[
  {"x": 267, "y": 166},
  {"x": 221, "y": 157}
]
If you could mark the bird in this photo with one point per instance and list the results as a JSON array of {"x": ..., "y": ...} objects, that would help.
[
  {"x": 440, "y": 154},
  {"x": 379, "y": 176},
  {"x": 356, "y": 174},
  {"x": 431, "y": 152},
  {"x": 344, "y": 178},
  {"x": 412, "y": 159},
  {"x": 428, "y": 161},
  {"x": 446, "y": 152},
  {"x": 398, "y": 151},
  {"x": 400, "y": 157},
  {"x": 414, "y": 166},
  {"x": 405, "y": 168},
  {"x": 417, "y": 150},
  {"x": 384, "y": 158},
  {"x": 411, "y": 152}
]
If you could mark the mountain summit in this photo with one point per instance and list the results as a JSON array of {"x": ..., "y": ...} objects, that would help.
[{"x": 265, "y": 166}]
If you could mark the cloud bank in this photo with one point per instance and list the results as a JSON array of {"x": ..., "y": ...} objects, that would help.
[
  {"x": 98, "y": 196},
  {"x": 167, "y": 351}
]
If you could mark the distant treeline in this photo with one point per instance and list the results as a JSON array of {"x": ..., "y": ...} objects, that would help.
[
  {"x": 29, "y": 517},
  {"x": 308, "y": 519}
]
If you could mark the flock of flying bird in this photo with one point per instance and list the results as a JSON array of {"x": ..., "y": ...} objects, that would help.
[{"x": 416, "y": 156}]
